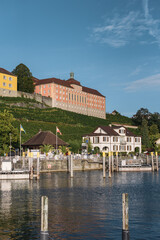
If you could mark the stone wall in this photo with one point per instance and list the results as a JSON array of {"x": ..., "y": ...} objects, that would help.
[
  {"x": 37, "y": 97},
  {"x": 62, "y": 165},
  {"x": 7, "y": 93}
]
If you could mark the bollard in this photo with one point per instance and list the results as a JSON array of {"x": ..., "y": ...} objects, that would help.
[
  {"x": 152, "y": 161},
  {"x": 71, "y": 165},
  {"x": 38, "y": 166},
  {"x": 109, "y": 164},
  {"x": 69, "y": 162},
  {"x": 112, "y": 159},
  {"x": 31, "y": 168},
  {"x": 157, "y": 161},
  {"x": 125, "y": 228},
  {"x": 117, "y": 162},
  {"x": 104, "y": 165},
  {"x": 44, "y": 218}
]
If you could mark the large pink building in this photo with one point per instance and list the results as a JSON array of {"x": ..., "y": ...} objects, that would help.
[{"x": 70, "y": 95}]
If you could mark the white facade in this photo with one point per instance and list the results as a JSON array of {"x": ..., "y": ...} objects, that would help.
[{"x": 114, "y": 139}]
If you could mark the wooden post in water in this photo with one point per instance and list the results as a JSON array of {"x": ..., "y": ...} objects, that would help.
[
  {"x": 117, "y": 169},
  {"x": 112, "y": 159},
  {"x": 157, "y": 167},
  {"x": 152, "y": 161},
  {"x": 109, "y": 154},
  {"x": 147, "y": 160},
  {"x": 69, "y": 162},
  {"x": 104, "y": 165},
  {"x": 38, "y": 166},
  {"x": 125, "y": 228},
  {"x": 31, "y": 167},
  {"x": 71, "y": 165},
  {"x": 44, "y": 218}
]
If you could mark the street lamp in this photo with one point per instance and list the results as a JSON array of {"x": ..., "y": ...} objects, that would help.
[{"x": 10, "y": 137}]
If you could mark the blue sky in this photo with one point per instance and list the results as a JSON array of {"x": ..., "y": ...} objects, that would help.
[{"x": 112, "y": 46}]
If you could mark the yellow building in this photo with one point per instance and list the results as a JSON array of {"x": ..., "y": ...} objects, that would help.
[{"x": 8, "y": 80}]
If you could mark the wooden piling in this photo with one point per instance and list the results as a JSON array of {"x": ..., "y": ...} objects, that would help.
[
  {"x": 157, "y": 167},
  {"x": 117, "y": 169},
  {"x": 31, "y": 168},
  {"x": 125, "y": 217},
  {"x": 44, "y": 218},
  {"x": 152, "y": 161},
  {"x": 104, "y": 165},
  {"x": 112, "y": 159},
  {"x": 69, "y": 162},
  {"x": 109, "y": 154},
  {"x": 71, "y": 165},
  {"x": 38, "y": 166}
]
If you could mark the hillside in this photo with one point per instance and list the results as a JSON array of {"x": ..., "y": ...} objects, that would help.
[{"x": 35, "y": 116}]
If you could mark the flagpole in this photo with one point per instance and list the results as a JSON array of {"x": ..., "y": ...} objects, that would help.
[{"x": 20, "y": 142}]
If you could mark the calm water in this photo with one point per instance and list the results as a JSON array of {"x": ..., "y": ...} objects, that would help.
[{"x": 86, "y": 207}]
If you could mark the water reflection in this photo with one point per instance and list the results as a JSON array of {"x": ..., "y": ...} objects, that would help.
[{"x": 87, "y": 206}]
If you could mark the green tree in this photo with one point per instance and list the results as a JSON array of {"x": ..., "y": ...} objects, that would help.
[
  {"x": 24, "y": 78},
  {"x": 141, "y": 114},
  {"x": 145, "y": 134},
  {"x": 153, "y": 130},
  {"x": 46, "y": 148},
  {"x": 7, "y": 130}
]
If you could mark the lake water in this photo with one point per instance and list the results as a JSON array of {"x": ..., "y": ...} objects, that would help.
[{"x": 86, "y": 207}]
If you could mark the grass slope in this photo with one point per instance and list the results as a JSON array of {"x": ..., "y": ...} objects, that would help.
[{"x": 72, "y": 125}]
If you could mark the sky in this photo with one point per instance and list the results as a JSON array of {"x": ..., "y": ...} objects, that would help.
[{"x": 112, "y": 46}]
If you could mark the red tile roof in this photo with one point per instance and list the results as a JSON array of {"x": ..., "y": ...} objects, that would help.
[
  {"x": 2, "y": 70},
  {"x": 68, "y": 84},
  {"x": 44, "y": 138}
]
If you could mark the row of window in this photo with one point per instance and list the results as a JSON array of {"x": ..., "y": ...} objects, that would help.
[
  {"x": 5, "y": 78},
  {"x": 4, "y": 84},
  {"x": 115, "y": 139}
]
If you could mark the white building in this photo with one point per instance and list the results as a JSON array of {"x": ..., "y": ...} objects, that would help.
[{"x": 114, "y": 139}]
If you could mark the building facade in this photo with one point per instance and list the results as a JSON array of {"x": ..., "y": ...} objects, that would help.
[
  {"x": 70, "y": 95},
  {"x": 114, "y": 139},
  {"x": 8, "y": 83}
]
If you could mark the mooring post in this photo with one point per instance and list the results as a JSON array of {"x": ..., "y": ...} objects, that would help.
[
  {"x": 112, "y": 157},
  {"x": 157, "y": 161},
  {"x": 117, "y": 169},
  {"x": 147, "y": 160},
  {"x": 125, "y": 228},
  {"x": 31, "y": 168},
  {"x": 152, "y": 161},
  {"x": 71, "y": 164},
  {"x": 104, "y": 165},
  {"x": 38, "y": 166},
  {"x": 109, "y": 154},
  {"x": 44, "y": 218}
]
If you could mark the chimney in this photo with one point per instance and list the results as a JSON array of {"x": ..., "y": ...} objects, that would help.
[{"x": 72, "y": 75}]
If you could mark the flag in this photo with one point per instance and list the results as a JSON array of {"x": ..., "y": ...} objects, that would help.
[
  {"x": 22, "y": 129},
  {"x": 58, "y": 131}
]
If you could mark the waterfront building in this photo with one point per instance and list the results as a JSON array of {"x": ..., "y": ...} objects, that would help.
[
  {"x": 114, "y": 139},
  {"x": 8, "y": 83},
  {"x": 70, "y": 95},
  {"x": 44, "y": 138}
]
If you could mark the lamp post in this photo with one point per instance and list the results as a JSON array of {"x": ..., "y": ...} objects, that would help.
[{"x": 10, "y": 137}]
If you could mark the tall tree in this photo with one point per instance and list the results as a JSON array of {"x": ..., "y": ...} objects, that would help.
[
  {"x": 24, "y": 78},
  {"x": 153, "y": 130},
  {"x": 141, "y": 114},
  {"x": 7, "y": 130},
  {"x": 145, "y": 133}
]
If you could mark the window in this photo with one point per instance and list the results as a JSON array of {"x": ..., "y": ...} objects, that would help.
[
  {"x": 4, "y": 77},
  {"x": 4, "y": 84},
  {"x": 104, "y": 139},
  {"x": 39, "y": 87},
  {"x": 10, "y": 85},
  {"x": 137, "y": 139},
  {"x": 77, "y": 98},
  {"x": 10, "y": 78},
  {"x": 72, "y": 96},
  {"x": 96, "y": 140},
  {"x": 44, "y": 91},
  {"x": 69, "y": 96},
  {"x": 44, "y": 86},
  {"x": 129, "y": 139},
  {"x": 80, "y": 99},
  {"x": 115, "y": 139}
]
